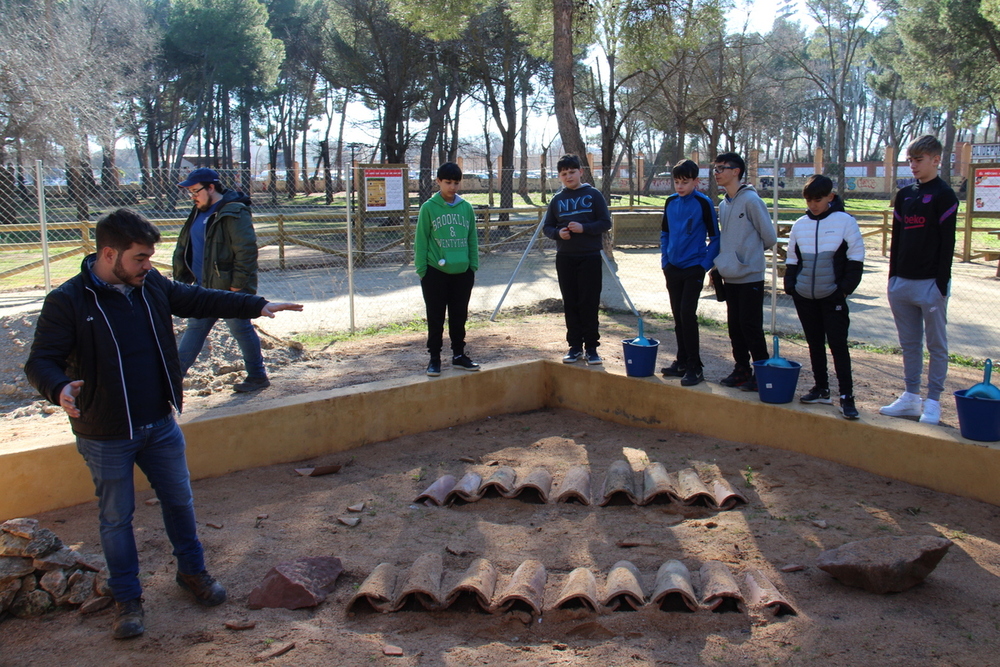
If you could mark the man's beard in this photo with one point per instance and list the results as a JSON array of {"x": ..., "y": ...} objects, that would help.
[{"x": 135, "y": 280}]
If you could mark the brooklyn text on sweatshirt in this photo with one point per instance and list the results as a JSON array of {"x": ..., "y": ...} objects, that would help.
[{"x": 446, "y": 237}]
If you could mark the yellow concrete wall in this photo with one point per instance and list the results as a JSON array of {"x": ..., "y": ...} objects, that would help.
[
  {"x": 286, "y": 430},
  {"x": 308, "y": 426}
]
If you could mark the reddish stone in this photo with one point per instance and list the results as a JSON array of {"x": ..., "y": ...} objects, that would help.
[
  {"x": 95, "y": 603},
  {"x": 304, "y": 582}
]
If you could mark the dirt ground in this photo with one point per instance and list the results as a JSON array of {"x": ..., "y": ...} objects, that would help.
[{"x": 951, "y": 619}]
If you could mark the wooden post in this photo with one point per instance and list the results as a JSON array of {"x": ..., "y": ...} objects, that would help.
[
  {"x": 818, "y": 161},
  {"x": 889, "y": 167},
  {"x": 281, "y": 242},
  {"x": 753, "y": 168}
]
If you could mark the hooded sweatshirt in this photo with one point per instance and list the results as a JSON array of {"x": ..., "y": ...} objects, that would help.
[
  {"x": 746, "y": 230},
  {"x": 446, "y": 237},
  {"x": 825, "y": 254}
]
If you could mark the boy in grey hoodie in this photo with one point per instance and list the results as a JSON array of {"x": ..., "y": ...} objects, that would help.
[{"x": 746, "y": 231}]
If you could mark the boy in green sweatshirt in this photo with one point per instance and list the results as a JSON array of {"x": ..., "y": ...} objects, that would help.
[{"x": 446, "y": 257}]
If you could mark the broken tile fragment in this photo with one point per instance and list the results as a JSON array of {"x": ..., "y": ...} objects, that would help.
[
  {"x": 391, "y": 650},
  {"x": 214, "y": 524},
  {"x": 276, "y": 649},
  {"x": 241, "y": 624},
  {"x": 356, "y": 508},
  {"x": 303, "y": 582},
  {"x": 351, "y": 521},
  {"x": 152, "y": 501}
]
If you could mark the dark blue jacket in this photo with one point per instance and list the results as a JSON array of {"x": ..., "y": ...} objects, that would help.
[
  {"x": 74, "y": 341},
  {"x": 687, "y": 222}
]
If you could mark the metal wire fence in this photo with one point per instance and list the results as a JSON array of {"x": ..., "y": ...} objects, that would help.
[{"x": 355, "y": 272}]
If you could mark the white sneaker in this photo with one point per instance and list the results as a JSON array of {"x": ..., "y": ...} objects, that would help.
[
  {"x": 907, "y": 405},
  {"x": 932, "y": 412}
]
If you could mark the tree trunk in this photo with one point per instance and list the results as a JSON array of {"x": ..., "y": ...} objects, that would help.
[
  {"x": 949, "y": 146},
  {"x": 562, "y": 82}
]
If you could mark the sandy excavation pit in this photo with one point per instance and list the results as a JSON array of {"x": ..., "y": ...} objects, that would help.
[{"x": 950, "y": 619}]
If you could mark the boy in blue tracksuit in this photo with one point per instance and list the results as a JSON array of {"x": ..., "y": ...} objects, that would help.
[
  {"x": 825, "y": 260},
  {"x": 688, "y": 220},
  {"x": 576, "y": 219}
]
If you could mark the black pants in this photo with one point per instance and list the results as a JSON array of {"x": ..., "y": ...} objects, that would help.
[
  {"x": 745, "y": 318},
  {"x": 580, "y": 284},
  {"x": 827, "y": 321},
  {"x": 684, "y": 287},
  {"x": 451, "y": 292}
]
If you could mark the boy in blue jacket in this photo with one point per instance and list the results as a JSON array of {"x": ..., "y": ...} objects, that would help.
[
  {"x": 576, "y": 219},
  {"x": 446, "y": 257},
  {"x": 688, "y": 220}
]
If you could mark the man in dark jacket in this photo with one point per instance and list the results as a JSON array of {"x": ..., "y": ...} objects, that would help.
[
  {"x": 104, "y": 351},
  {"x": 217, "y": 248}
]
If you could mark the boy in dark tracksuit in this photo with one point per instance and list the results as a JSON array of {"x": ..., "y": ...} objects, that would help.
[
  {"x": 446, "y": 257},
  {"x": 688, "y": 219},
  {"x": 920, "y": 255},
  {"x": 576, "y": 219},
  {"x": 825, "y": 260}
]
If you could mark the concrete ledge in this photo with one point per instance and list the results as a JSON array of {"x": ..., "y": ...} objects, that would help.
[{"x": 40, "y": 478}]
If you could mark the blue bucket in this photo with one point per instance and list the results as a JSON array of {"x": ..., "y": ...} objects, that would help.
[
  {"x": 640, "y": 360},
  {"x": 978, "y": 418},
  {"x": 776, "y": 384}
]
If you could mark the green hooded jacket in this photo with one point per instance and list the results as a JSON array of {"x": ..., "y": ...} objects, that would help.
[{"x": 446, "y": 237}]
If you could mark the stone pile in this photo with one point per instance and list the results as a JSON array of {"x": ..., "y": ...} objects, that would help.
[{"x": 39, "y": 573}]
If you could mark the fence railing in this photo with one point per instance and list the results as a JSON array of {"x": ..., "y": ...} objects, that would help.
[{"x": 305, "y": 255}]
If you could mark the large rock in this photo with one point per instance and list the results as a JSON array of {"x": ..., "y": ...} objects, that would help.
[
  {"x": 30, "y": 604},
  {"x": 81, "y": 587},
  {"x": 7, "y": 593},
  {"x": 304, "y": 582},
  {"x": 43, "y": 542},
  {"x": 13, "y": 545},
  {"x": 21, "y": 527},
  {"x": 12, "y": 567},
  {"x": 54, "y": 583},
  {"x": 63, "y": 558},
  {"x": 885, "y": 564}
]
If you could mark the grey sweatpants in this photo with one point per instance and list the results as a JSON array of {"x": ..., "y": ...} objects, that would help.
[{"x": 918, "y": 307}]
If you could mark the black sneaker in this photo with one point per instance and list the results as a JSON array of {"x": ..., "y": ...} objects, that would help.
[
  {"x": 749, "y": 385},
  {"x": 739, "y": 375},
  {"x": 574, "y": 355},
  {"x": 128, "y": 619},
  {"x": 674, "y": 370},
  {"x": 847, "y": 407},
  {"x": 593, "y": 359},
  {"x": 816, "y": 395},
  {"x": 463, "y": 362},
  {"x": 207, "y": 591},
  {"x": 434, "y": 368},
  {"x": 251, "y": 384},
  {"x": 692, "y": 377}
]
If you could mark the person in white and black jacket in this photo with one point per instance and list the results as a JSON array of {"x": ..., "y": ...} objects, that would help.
[{"x": 825, "y": 261}]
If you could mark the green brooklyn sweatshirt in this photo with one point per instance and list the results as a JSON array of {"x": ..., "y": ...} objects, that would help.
[{"x": 446, "y": 237}]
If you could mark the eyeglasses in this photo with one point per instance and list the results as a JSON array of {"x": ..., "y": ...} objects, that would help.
[
  {"x": 194, "y": 193},
  {"x": 719, "y": 170}
]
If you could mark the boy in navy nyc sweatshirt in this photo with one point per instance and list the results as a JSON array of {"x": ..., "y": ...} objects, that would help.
[{"x": 576, "y": 219}]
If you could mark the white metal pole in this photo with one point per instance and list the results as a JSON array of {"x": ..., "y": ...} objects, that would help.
[
  {"x": 43, "y": 225},
  {"x": 534, "y": 237},
  {"x": 774, "y": 251},
  {"x": 350, "y": 247}
]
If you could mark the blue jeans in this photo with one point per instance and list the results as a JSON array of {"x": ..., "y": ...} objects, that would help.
[
  {"x": 197, "y": 331},
  {"x": 158, "y": 450}
]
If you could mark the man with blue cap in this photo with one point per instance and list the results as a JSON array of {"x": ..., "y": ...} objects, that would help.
[{"x": 217, "y": 248}]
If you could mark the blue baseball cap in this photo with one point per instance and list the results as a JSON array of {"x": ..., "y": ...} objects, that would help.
[{"x": 203, "y": 175}]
